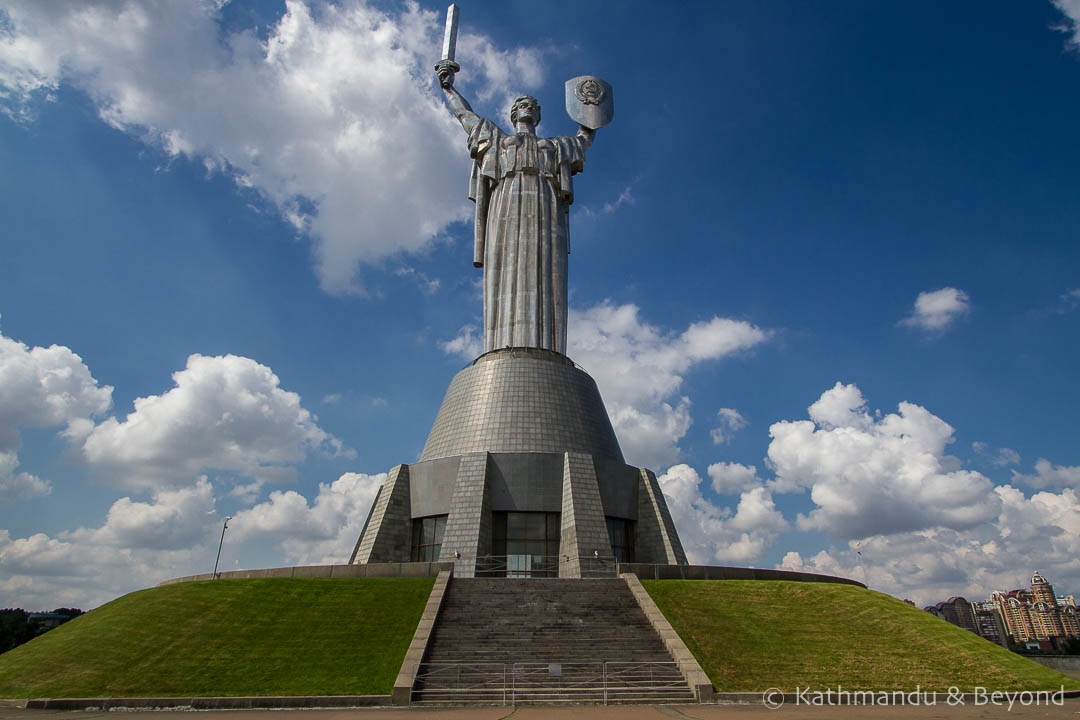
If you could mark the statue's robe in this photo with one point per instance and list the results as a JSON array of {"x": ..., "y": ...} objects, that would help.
[{"x": 522, "y": 185}]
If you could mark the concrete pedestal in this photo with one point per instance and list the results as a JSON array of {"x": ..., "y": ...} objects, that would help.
[{"x": 521, "y": 430}]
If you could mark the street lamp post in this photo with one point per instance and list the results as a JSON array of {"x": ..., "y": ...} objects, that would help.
[{"x": 220, "y": 543}]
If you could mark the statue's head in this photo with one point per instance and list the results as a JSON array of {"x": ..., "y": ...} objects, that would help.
[{"x": 525, "y": 106}]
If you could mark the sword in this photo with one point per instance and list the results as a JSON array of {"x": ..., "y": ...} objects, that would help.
[{"x": 450, "y": 43}]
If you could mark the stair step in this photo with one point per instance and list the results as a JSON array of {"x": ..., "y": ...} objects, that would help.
[{"x": 495, "y": 638}]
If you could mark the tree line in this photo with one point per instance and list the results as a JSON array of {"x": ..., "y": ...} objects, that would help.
[{"x": 18, "y": 626}]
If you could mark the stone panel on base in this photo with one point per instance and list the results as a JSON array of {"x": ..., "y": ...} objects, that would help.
[
  {"x": 388, "y": 529},
  {"x": 468, "y": 524},
  {"x": 657, "y": 540},
  {"x": 584, "y": 531}
]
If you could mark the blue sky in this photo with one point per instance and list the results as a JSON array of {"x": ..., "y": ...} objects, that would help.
[{"x": 823, "y": 268}]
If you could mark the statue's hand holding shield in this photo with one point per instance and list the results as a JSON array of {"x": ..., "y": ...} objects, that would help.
[{"x": 589, "y": 101}]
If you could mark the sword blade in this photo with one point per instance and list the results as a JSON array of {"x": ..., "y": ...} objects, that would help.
[{"x": 450, "y": 37}]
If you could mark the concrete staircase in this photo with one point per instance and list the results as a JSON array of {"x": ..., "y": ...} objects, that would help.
[{"x": 518, "y": 641}]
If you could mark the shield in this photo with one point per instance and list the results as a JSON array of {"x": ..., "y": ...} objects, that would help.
[{"x": 589, "y": 101}]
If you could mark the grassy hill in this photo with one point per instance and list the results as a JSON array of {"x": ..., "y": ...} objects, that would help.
[
  {"x": 228, "y": 637},
  {"x": 753, "y": 635},
  {"x": 348, "y": 637}
]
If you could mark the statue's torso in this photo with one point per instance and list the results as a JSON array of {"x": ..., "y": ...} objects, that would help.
[{"x": 522, "y": 153}]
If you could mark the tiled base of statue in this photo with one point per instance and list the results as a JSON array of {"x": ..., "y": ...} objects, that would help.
[{"x": 521, "y": 475}]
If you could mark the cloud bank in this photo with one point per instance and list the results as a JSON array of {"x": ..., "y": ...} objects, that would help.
[
  {"x": 142, "y": 543},
  {"x": 332, "y": 117},
  {"x": 872, "y": 475},
  {"x": 224, "y": 413},
  {"x": 227, "y": 415}
]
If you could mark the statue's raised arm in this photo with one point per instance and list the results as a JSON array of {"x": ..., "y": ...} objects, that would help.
[
  {"x": 523, "y": 188},
  {"x": 445, "y": 71}
]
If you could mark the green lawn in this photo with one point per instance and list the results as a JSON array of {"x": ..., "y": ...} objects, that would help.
[
  {"x": 228, "y": 637},
  {"x": 755, "y": 635}
]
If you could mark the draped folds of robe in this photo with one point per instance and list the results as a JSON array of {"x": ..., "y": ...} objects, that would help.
[{"x": 523, "y": 189}]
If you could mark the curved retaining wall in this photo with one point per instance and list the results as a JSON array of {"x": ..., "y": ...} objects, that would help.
[
  {"x": 644, "y": 571},
  {"x": 404, "y": 569},
  {"x": 647, "y": 571}
]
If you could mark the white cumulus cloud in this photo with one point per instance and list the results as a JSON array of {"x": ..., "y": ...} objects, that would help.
[
  {"x": 731, "y": 421},
  {"x": 19, "y": 486},
  {"x": 1048, "y": 475},
  {"x": 174, "y": 520},
  {"x": 41, "y": 388},
  {"x": 935, "y": 311},
  {"x": 1038, "y": 532},
  {"x": 333, "y": 117},
  {"x": 639, "y": 368},
  {"x": 225, "y": 413},
  {"x": 176, "y": 533},
  {"x": 138, "y": 545},
  {"x": 715, "y": 535},
  {"x": 323, "y": 532},
  {"x": 872, "y": 475},
  {"x": 729, "y": 478},
  {"x": 468, "y": 344}
]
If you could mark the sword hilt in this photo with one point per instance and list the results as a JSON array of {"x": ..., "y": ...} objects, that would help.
[{"x": 446, "y": 69}]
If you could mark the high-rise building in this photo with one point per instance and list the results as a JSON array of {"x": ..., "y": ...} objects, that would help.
[
  {"x": 1042, "y": 590},
  {"x": 1013, "y": 608},
  {"x": 1070, "y": 620},
  {"x": 1035, "y": 617},
  {"x": 988, "y": 622},
  {"x": 955, "y": 610}
]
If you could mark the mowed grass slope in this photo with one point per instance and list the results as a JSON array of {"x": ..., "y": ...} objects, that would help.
[
  {"x": 755, "y": 635},
  {"x": 228, "y": 637}
]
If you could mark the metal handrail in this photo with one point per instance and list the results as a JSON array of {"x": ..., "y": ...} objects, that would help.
[
  {"x": 525, "y": 565},
  {"x": 532, "y": 681},
  {"x": 437, "y": 676},
  {"x": 597, "y": 566}
]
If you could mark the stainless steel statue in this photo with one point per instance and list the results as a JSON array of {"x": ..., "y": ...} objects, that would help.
[{"x": 522, "y": 186}]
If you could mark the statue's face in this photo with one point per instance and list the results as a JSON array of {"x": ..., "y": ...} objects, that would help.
[{"x": 525, "y": 108}]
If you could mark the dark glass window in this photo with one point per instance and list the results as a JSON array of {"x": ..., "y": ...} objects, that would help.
[
  {"x": 621, "y": 533},
  {"x": 529, "y": 541},
  {"x": 427, "y": 535}
]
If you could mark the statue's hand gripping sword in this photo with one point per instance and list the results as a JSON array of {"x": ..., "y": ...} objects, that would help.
[{"x": 446, "y": 68}]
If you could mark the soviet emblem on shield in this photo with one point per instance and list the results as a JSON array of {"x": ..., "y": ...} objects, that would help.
[
  {"x": 590, "y": 92},
  {"x": 589, "y": 101}
]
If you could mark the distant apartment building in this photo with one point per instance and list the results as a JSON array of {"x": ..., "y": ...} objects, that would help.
[
  {"x": 988, "y": 622},
  {"x": 1070, "y": 620},
  {"x": 1033, "y": 618},
  {"x": 955, "y": 610},
  {"x": 982, "y": 618},
  {"x": 1042, "y": 590}
]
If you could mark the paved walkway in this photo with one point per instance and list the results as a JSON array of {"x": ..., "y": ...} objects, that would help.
[{"x": 1070, "y": 709}]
